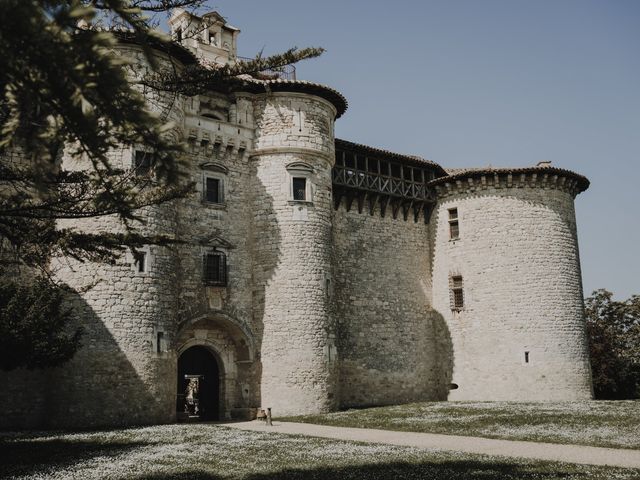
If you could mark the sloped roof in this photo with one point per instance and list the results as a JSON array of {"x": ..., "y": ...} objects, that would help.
[
  {"x": 379, "y": 152},
  {"x": 254, "y": 85}
]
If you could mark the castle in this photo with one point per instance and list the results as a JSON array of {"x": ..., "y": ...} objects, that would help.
[{"x": 315, "y": 273}]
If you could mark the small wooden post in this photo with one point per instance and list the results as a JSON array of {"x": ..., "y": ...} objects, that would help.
[{"x": 269, "y": 417}]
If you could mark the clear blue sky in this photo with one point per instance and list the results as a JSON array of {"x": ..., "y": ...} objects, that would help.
[{"x": 472, "y": 83}]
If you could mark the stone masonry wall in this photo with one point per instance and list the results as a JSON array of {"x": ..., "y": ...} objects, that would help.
[
  {"x": 218, "y": 317},
  {"x": 117, "y": 377},
  {"x": 291, "y": 244},
  {"x": 391, "y": 347},
  {"x": 518, "y": 257}
]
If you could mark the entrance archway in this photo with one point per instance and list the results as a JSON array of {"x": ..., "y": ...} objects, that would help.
[{"x": 199, "y": 363}]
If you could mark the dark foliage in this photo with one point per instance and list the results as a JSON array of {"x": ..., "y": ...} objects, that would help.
[
  {"x": 613, "y": 329},
  {"x": 35, "y": 330}
]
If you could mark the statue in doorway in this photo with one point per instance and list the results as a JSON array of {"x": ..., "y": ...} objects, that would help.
[{"x": 192, "y": 404}]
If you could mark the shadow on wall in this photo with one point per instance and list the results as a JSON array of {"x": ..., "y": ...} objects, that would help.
[
  {"x": 444, "y": 356},
  {"x": 99, "y": 386},
  {"x": 265, "y": 242}
]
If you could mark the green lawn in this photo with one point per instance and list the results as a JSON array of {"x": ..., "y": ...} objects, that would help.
[
  {"x": 599, "y": 423},
  {"x": 212, "y": 452}
]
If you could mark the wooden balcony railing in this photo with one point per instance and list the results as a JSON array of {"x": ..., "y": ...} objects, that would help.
[{"x": 382, "y": 183}]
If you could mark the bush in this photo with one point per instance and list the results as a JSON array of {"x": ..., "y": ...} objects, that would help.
[
  {"x": 35, "y": 327},
  {"x": 613, "y": 330}
]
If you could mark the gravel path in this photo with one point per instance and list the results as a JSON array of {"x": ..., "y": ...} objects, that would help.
[{"x": 432, "y": 441}]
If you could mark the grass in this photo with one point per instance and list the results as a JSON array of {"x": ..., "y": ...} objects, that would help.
[
  {"x": 597, "y": 423},
  {"x": 211, "y": 452}
]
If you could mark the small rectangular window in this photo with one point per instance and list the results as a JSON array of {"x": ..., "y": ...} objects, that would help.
[
  {"x": 215, "y": 268},
  {"x": 299, "y": 188},
  {"x": 143, "y": 162},
  {"x": 160, "y": 342},
  {"x": 213, "y": 190},
  {"x": 454, "y": 226},
  {"x": 457, "y": 293},
  {"x": 526, "y": 357},
  {"x": 140, "y": 261}
]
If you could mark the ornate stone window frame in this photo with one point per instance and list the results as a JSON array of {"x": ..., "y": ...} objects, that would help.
[
  {"x": 217, "y": 172},
  {"x": 223, "y": 279},
  {"x": 303, "y": 170}
]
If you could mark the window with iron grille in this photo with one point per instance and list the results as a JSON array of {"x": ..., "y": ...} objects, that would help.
[
  {"x": 142, "y": 162},
  {"x": 454, "y": 226},
  {"x": 456, "y": 293},
  {"x": 215, "y": 268},
  {"x": 299, "y": 188},
  {"x": 213, "y": 190}
]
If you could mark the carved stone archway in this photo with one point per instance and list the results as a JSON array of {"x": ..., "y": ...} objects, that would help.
[{"x": 232, "y": 347}]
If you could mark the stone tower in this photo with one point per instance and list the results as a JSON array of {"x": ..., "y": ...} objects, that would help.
[
  {"x": 506, "y": 277},
  {"x": 291, "y": 164},
  {"x": 128, "y": 308}
]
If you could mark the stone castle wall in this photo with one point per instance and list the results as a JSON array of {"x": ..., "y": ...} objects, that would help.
[
  {"x": 518, "y": 257},
  {"x": 322, "y": 308},
  {"x": 218, "y": 317},
  {"x": 390, "y": 342},
  {"x": 117, "y": 376}
]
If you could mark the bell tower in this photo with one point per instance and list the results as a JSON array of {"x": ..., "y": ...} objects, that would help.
[{"x": 209, "y": 37}]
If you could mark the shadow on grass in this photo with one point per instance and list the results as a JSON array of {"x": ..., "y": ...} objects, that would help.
[
  {"x": 447, "y": 470},
  {"x": 26, "y": 457}
]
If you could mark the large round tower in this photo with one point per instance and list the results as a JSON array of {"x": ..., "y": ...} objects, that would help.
[
  {"x": 124, "y": 372},
  {"x": 291, "y": 245},
  {"x": 506, "y": 278}
]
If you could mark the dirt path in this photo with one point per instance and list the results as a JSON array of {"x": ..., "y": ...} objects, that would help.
[{"x": 431, "y": 441}]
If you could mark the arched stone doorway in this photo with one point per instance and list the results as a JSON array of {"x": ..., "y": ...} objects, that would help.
[
  {"x": 197, "y": 364},
  {"x": 232, "y": 345}
]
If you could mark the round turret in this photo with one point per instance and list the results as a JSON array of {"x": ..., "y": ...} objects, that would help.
[
  {"x": 506, "y": 278},
  {"x": 291, "y": 164}
]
